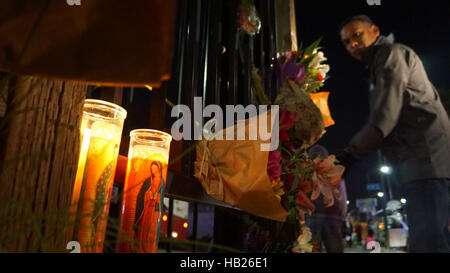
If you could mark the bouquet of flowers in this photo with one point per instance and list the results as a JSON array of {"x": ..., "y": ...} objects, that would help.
[
  {"x": 230, "y": 171},
  {"x": 297, "y": 179}
]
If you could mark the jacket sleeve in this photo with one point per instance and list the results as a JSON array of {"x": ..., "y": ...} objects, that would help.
[{"x": 391, "y": 77}]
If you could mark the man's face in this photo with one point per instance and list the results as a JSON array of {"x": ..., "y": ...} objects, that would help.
[{"x": 357, "y": 36}]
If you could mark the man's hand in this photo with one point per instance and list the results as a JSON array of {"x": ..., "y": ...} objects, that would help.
[{"x": 346, "y": 158}]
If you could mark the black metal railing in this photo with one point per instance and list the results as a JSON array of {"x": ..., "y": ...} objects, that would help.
[{"x": 212, "y": 60}]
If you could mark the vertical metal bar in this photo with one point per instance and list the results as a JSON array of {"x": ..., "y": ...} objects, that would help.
[
  {"x": 206, "y": 11},
  {"x": 190, "y": 82},
  {"x": 131, "y": 95},
  {"x": 169, "y": 225},
  {"x": 175, "y": 83},
  {"x": 219, "y": 49},
  {"x": 235, "y": 68},
  {"x": 112, "y": 94},
  {"x": 259, "y": 45},
  {"x": 248, "y": 92},
  {"x": 231, "y": 36},
  {"x": 198, "y": 50},
  {"x": 191, "y": 71},
  {"x": 244, "y": 84},
  {"x": 271, "y": 49},
  {"x": 195, "y": 227},
  {"x": 266, "y": 44},
  {"x": 249, "y": 70},
  {"x": 211, "y": 88},
  {"x": 271, "y": 24},
  {"x": 182, "y": 37},
  {"x": 157, "y": 107}
]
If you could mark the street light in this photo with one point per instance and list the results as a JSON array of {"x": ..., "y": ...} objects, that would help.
[
  {"x": 403, "y": 201},
  {"x": 385, "y": 169}
]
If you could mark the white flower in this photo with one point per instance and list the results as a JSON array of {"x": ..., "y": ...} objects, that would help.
[
  {"x": 316, "y": 63},
  {"x": 302, "y": 244},
  {"x": 323, "y": 69},
  {"x": 317, "y": 60}
]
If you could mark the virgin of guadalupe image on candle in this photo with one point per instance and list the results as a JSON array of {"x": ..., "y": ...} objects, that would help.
[
  {"x": 143, "y": 194},
  {"x": 148, "y": 209}
]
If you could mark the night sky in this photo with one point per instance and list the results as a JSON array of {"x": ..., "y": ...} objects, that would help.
[{"x": 422, "y": 25}]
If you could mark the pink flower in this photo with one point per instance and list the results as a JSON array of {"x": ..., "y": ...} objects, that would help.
[
  {"x": 274, "y": 165},
  {"x": 327, "y": 169},
  {"x": 289, "y": 54},
  {"x": 289, "y": 146},
  {"x": 303, "y": 203},
  {"x": 289, "y": 181},
  {"x": 284, "y": 136},
  {"x": 289, "y": 178},
  {"x": 326, "y": 178},
  {"x": 287, "y": 120}
]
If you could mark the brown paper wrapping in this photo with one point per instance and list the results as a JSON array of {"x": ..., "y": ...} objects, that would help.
[
  {"x": 235, "y": 172},
  {"x": 309, "y": 126}
]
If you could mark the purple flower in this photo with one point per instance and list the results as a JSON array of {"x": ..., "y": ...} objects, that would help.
[{"x": 290, "y": 69}]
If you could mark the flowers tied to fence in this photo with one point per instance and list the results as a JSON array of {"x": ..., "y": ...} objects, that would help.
[{"x": 281, "y": 184}]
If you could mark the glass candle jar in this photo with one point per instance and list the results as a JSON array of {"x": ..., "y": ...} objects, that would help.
[
  {"x": 142, "y": 203},
  {"x": 101, "y": 132}
]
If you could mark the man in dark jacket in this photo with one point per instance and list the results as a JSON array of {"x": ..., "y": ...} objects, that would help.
[{"x": 408, "y": 122}]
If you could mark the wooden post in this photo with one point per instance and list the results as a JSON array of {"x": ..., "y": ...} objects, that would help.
[
  {"x": 39, "y": 148},
  {"x": 3, "y": 99},
  {"x": 286, "y": 29}
]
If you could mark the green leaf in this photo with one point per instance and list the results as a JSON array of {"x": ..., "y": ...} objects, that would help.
[
  {"x": 261, "y": 97},
  {"x": 291, "y": 218},
  {"x": 101, "y": 194},
  {"x": 291, "y": 198},
  {"x": 309, "y": 50},
  {"x": 307, "y": 60},
  {"x": 312, "y": 71},
  {"x": 294, "y": 185}
]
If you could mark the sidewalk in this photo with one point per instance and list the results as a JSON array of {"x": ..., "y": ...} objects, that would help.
[{"x": 360, "y": 249}]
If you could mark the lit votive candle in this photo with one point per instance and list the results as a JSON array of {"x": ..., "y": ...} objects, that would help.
[
  {"x": 145, "y": 182},
  {"x": 101, "y": 132}
]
